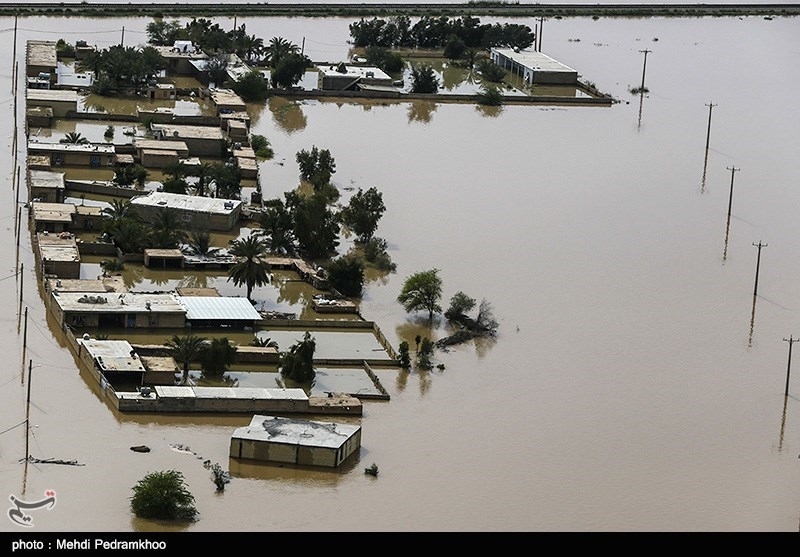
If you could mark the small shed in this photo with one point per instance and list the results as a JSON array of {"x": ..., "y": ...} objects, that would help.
[
  {"x": 163, "y": 258},
  {"x": 160, "y": 370},
  {"x": 114, "y": 359},
  {"x": 292, "y": 441}
]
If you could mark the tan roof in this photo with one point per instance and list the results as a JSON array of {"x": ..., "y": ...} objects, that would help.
[
  {"x": 52, "y": 212},
  {"x": 172, "y": 253},
  {"x": 183, "y": 291},
  {"x": 160, "y": 363},
  {"x": 42, "y": 53}
]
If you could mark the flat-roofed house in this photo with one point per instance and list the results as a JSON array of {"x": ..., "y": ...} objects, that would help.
[
  {"x": 179, "y": 57},
  {"x": 61, "y": 101},
  {"x": 533, "y": 66},
  {"x": 293, "y": 441},
  {"x": 219, "y": 311},
  {"x": 73, "y": 154},
  {"x": 202, "y": 141},
  {"x": 154, "y": 153},
  {"x": 194, "y": 211},
  {"x": 41, "y": 58},
  {"x": 245, "y": 159},
  {"x": 115, "y": 360},
  {"x": 227, "y": 101},
  {"x": 46, "y": 185},
  {"x": 126, "y": 310},
  {"x": 51, "y": 217},
  {"x": 58, "y": 256},
  {"x": 342, "y": 77}
]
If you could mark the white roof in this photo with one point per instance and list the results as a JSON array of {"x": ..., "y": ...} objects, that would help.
[
  {"x": 290, "y": 431},
  {"x": 46, "y": 179},
  {"x": 534, "y": 60},
  {"x": 369, "y": 72},
  {"x": 113, "y": 355},
  {"x": 34, "y": 145},
  {"x": 63, "y": 95},
  {"x": 218, "y": 308},
  {"x": 195, "y": 203},
  {"x": 112, "y": 302}
]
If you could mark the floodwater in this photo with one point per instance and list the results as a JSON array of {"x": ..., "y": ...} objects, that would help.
[{"x": 637, "y": 381}]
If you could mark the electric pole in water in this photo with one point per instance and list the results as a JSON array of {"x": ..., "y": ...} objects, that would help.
[
  {"x": 791, "y": 340},
  {"x": 708, "y": 133},
  {"x": 730, "y": 197},
  {"x": 644, "y": 66},
  {"x": 758, "y": 264}
]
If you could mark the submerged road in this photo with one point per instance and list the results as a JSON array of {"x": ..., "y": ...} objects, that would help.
[{"x": 479, "y": 8}]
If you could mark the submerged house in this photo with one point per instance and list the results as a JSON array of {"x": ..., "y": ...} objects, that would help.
[
  {"x": 193, "y": 210},
  {"x": 112, "y": 310},
  {"x": 533, "y": 66},
  {"x": 291, "y": 441}
]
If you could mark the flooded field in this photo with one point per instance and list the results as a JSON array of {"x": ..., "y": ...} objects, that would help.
[{"x": 637, "y": 382}]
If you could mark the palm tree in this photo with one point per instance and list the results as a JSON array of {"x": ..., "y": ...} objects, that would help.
[
  {"x": 199, "y": 243},
  {"x": 264, "y": 342},
  {"x": 186, "y": 349},
  {"x": 166, "y": 232},
  {"x": 74, "y": 138},
  {"x": 251, "y": 268},
  {"x": 278, "y": 49}
]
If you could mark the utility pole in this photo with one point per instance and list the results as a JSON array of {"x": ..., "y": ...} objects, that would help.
[
  {"x": 14, "y": 58},
  {"x": 708, "y": 133},
  {"x": 758, "y": 264},
  {"x": 791, "y": 340},
  {"x": 28, "y": 411},
  {"x": 303, "y": 46},
  {"x": 644, "y": 66},
  {"x": 122, "y": 39},
  {"x": 539, "y": 34},
  {"x": 733, "y": 170},
  {"x": 25, "y": 339}
]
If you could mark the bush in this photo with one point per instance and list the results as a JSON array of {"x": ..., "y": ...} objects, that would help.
[{"x": 163, "y": 496}]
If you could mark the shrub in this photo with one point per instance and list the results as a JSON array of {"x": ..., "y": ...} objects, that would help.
[{"x": 163, "y": 496}]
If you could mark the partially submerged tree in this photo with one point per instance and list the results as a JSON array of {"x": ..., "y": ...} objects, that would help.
[
  {"x": 251, "y": 268},
  {"x": 298, "y": 363},
  {"x": 185, "y": 350},
  {"x": 422, "y": 291},
  {"x": 363, "y": 212},
  {"x": 163, "y": 496},
  {"x": 423, "y": 79},
  {"x": 217, "y": 357},
  {"x": 74, "y": 138},
  {"x": 346, "y": 274}
]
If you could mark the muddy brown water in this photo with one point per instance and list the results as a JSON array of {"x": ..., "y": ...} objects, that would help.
[{"x": 635, "y": 383}]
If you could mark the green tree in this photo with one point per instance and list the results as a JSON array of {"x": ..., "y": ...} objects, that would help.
[
  {"x": 491, "y": 71},
  {"x": 277, "y": 50},
  {"x": 217, "y": 357},
  {"x": 126, "y": 175},
  {"x": 276, "y": 227},
  {"x": 163, "y": 33},
  {"x": 363, "y": 213},
  {"x": 460, "y": 304},
  {"x": 423, "y": 79},
  {"x": 425, "y": 354},
  {"x": 261, "y": 146},
  {"x": 186, "y": 349},
  {"x": 252, "y": 87},
  {"x": 376, "y": 254},
  {"x": 298, "y": 363},
  {"x": 251, "y": 268},
  {"x": 422, "y": 291},
  {"x": 165, "y": 229},
  {"x": 129, "y": 235},
  {"x": 217, "y": 69},
  {"x": 454, "y": 48},
  {"x": 403, "y": 355},
  {"x": 163, "y": 496},
  {"x": 317, "y": 166},
  {"x": 289, "y": 71},
  {"x": 346, "y": 274},
  {"x": 199, "y": 243},
  {"x": 490, "y": 95},
  {"x": 74, "y": 138},
  {"x": 316, "y": 227}
]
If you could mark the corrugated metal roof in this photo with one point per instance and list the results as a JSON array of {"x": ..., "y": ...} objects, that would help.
[{"x": 207, "y": 308}]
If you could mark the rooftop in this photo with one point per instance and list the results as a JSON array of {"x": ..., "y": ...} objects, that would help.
[
  {"x": 54, "y": 248},
  {"x": 64, "y": 95},
  {"x": 368, "y": 72},
  {"x": 290, "y": 431},
  {"x": 42, "y": 53},
  {"x": 192, "y": 132},
  {"x": 105, "y": 284},
  {"x": 46, "y": 179},
  {"x": 222, "y": 308},
  {"x": 113, "y": 355},
  {"x": 160, "y": 145},
  {"x": 533, "y": 59},
  {"x": 34, "y": 145},
  {"x": 52, "y": 212},
  {"x": 187, "y": 202},
  {"x": 129, "y": 302},
  {"x": 227, "y": 97}
]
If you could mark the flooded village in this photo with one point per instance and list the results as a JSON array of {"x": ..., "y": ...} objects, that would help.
[{"x": 191, "y": 203}]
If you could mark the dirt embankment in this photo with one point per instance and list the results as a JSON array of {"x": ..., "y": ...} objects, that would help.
[{"x": 477, "y": 8}]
